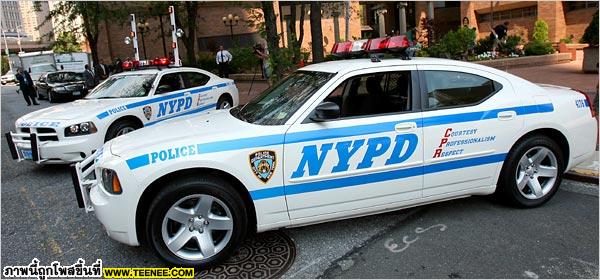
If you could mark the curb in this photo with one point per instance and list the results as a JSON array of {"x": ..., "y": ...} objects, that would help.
[{"x": 581, "y": 178}]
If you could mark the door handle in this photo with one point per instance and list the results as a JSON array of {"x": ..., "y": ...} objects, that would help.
[
  {"x": 405, "y": 127},
  {"x": 507, "y": 115},
  {"x": 214, "y": 87}
]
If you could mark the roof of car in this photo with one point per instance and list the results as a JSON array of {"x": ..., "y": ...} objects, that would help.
[
  {"x": 348, "y": 65},
  {"x": 156, "y": 70}
]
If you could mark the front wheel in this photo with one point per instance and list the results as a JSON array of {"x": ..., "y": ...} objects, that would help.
[
  {"x": 532, "y": 172},
  {"x": 119, "y": 128},
  {"x": 196, "y": 222},
  {"x": 51, "y": 97}
]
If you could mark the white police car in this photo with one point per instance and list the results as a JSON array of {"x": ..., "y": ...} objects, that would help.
[
  {"x": 122, "y": 103},
  {"x": 331, "y": 141}
]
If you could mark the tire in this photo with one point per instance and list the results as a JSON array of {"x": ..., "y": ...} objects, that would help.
[
  {"x": 523, "y": 168},
  {"x": 119, "y": 128},
  {"x": 224, "y": 102},
  {"x": 51, "y": 99},
  {"x": 188, "y": 193}
]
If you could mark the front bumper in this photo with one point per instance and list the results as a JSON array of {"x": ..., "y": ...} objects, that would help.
[
  {"x": 35, "y": 147},
  {"x": 111, "y": 210}
]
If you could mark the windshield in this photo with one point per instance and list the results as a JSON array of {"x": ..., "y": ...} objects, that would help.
[
  {"x": 123, "y": 86},
  {"x": 64, "y": 77},
  {"x": 278, "y": 103},
  {"x": 42, "y": 68}
]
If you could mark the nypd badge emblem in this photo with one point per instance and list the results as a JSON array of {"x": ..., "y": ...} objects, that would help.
[
  {"x": 263, "y": 164},
  {"x": 147, "y": 112}
]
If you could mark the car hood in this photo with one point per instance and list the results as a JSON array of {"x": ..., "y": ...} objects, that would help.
[
  {"x": 66, "y": 83},
  {"x": 83, "y": 108},
  {"x": 211, "y": 126}
]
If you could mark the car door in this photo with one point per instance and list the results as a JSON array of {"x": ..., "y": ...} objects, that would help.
[
  {"x": 42, "y": 85},
  {"x": 168, "y": 100},
  {"x": 202, "y": 90},
  {"x": 368, "y": 159},
  {"x": 470, "y": 119}
]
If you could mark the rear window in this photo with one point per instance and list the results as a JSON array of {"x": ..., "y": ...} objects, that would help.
[{"x": 456, "y": 89}]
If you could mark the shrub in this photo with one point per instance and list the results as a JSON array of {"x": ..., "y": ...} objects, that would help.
[
  {"x": 510, "y": 46},
  {"x": 540, "y": 44},
  {"x": 4, "y": 66},
  {"x": 244, "y": 60},
  {"x": 568, "y": 40},
  {"x": 484, "y": 45},
  {"x": 538, "y": 48},
  {"x": 455, "y": 44},
  {"x": 540, "y": 31},
  {"x": 590, "y": 36},
  {"x": 206, "y": 61}
]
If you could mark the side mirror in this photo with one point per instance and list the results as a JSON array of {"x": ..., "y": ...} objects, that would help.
[{"x": 326, "y": 111}]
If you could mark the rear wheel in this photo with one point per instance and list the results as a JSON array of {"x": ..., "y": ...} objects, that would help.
[
  {"x": 224, "y": 102},
  {"x": 119, "y": 128},
  {"x": 196, "y": 221},
  {"x": 532, "y": 172}
]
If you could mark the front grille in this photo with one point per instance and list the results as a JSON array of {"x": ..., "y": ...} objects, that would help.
[{"x": 39, "y": 130}]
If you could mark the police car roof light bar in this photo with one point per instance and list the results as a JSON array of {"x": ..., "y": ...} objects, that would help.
[{"x": 397, "y": 45}]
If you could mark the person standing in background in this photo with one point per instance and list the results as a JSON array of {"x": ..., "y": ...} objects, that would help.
[
  {"x": 223, "y": 59},
  {"x": 89, "y": 77},
  {"x": 498, "y": 35},
  {"x": 26, "y": 86},
  {"x": 101, "y": 70}
]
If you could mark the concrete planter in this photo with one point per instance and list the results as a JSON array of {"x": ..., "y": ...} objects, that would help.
[{"x": 590, "y": 60}]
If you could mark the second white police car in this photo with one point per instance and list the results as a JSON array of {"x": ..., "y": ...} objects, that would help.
[
  {"x": 122, "y": 103},
  {"x": 335, "y": 140}
]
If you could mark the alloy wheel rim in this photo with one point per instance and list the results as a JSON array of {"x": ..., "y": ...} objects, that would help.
[
  {"x": 536, "y": 172},
  {"x": 225, "y": 105},
  {"x": 197, "y": 227},
  {"x": 125, "y": 130}
]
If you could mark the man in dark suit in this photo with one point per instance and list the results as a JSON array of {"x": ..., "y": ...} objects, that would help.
[
  {"x": 26, "y": 86},
  {"x": 89, "y": 77},
  {"x": 101, "y": 70}
]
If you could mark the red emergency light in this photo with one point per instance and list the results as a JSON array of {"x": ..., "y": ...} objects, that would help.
[
  {"x": 130, "y": 64},
  {"x": 396, "y": 44},
  {"x": 161, "y": 61}
]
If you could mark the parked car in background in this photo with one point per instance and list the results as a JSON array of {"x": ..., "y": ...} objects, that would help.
[
  {"x": 9, "y": 77},
  {"x": 61, "y": 85}
]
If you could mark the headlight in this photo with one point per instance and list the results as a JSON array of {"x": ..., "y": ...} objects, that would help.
[
  {"x": 58, "y": 89},
  {"x": 110, "y": 181},
  {"x": 83, "y": 128}
]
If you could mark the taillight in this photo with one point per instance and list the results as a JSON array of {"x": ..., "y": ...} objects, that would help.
[{"x": 588, "y": 100}]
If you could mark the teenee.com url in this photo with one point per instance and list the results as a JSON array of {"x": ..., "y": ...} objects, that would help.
[{"x": 148, "y": 273}]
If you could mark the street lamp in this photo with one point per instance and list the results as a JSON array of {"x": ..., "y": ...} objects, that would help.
[
  {"x": 144, "y": 26},
  {"x": 231, "y": 21}
]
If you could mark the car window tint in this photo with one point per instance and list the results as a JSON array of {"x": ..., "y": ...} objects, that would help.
[
  {"x": 450, "y": 89},
  {"x": 195, "y": 79},
  {"x": 373, "y": 94},
  {"x": 169, "y": 82}
]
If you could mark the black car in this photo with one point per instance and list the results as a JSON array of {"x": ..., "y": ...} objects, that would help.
[{"x": 61, "y": 85}]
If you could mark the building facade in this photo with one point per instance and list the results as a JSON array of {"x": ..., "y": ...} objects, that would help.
[
  {"x": 33, "y": 16},
  {"x": 11, "y": 17}
]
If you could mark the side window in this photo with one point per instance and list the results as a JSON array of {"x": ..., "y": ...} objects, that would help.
[
  {"x": 195, "y": 79},
  {"x": 374, "y": 94},
  {"x": 450, "y": 89},
  {"x": 169, "y": 82}
]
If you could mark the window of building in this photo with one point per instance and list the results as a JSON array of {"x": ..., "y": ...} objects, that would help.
[
  {"x": 374, "y": 94},
  {"x": 578, "y": 5},
  {"x": 508, "y": 14},
  {"x": 453, "y": 89}
]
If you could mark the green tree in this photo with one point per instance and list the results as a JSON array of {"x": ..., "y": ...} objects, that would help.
[
  {"x": 67, "y": 13},
  {"x": 66, "y": 42}
]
